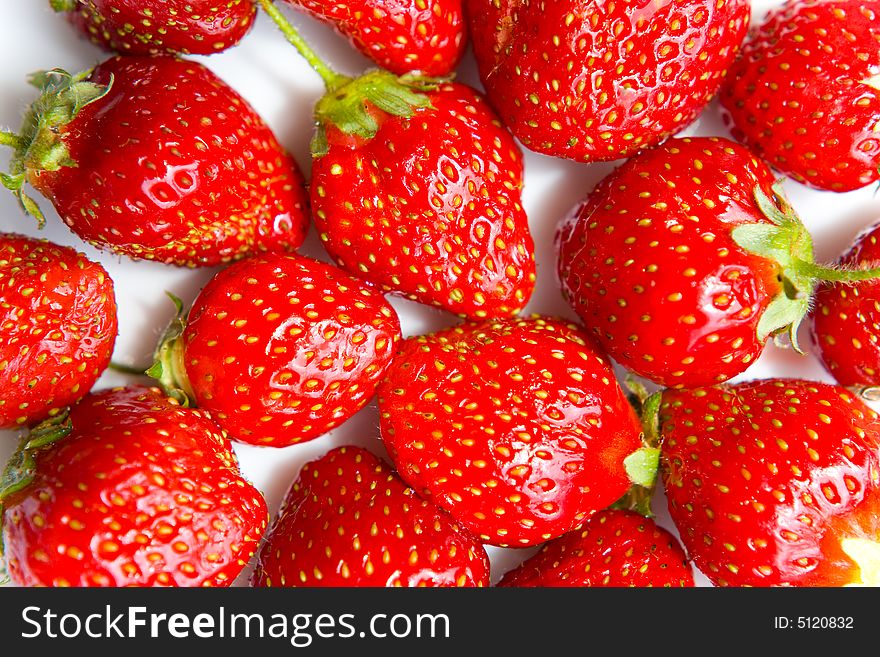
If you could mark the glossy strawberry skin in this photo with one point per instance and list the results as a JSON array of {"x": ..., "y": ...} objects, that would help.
[
  {"x": 774, "y": 482},
  {"x": 614, "y": 548},
  {"x": 401, "y": 36},
  {"x": 648, "y": 262},
  {"x": 350, "y": 521},
  {"x": 135, "y": 27},
  {"x": 846, "y": 318},
  {"x": 142, "y": 492},
  {"x": 58, "y": 317},
  {"x": 517, "y": 427},
  {"x": 430, "y": 208},
  {"x": 589, "y": 80},
  {"x": 282, "y": 348},
  {"x": 174, "y": 166},
  {"x": 797, "y": 97}
]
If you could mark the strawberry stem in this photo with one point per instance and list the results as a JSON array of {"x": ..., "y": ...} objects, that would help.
[
  {"x": 332, "y": 79},
  {"x": 836, "y": 275},
  {"x": 127, "y": 369},
  {"x": 11, "y": 139}
]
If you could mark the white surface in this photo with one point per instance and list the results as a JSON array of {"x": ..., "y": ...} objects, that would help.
[{"x": 268, "y": 72}]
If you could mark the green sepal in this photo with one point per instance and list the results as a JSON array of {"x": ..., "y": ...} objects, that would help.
[
  {"x": 39, "y": 145},
  {"x": 167, "y": 367},
  {"x": 763, "y": 240},
  {"x": 783, "y": 315},
  {"x": 319, "y": 145},
  {"x": 63, "y": 5},
  {"x": 22, "y": 466},
  {"x": 15, "y": 184},
  {"x": 352, "y": 106},
  {"x": 641, "y": 466}
]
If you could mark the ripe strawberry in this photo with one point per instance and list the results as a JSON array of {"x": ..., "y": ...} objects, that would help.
[
  {"x": 280, "y": 349},
  {"x": 804, "y": 93},
  {"x": 774, "y": 482},
  {"x": 613, "y": 548},
  {"x": 683, "y": 266},
  {"x": 590, "y": 80},
  {"x": 416, "y": 187},
  {"x": 58, "y": 317},
  {"x": 846, "y": 319},
  {"x": 130, "y": 490},
  {"x": 349, "y": 520},
  {"x": 427, "y": 36},
  {"x": 517, "y": 427},
  {"x": 198, "y": 27},
  {"x": 157, "y": 158}
]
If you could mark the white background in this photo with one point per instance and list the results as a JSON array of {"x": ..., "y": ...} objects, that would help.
[{"x": 268, "y": 72}]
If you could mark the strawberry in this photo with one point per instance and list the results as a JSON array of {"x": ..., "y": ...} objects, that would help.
[
  {"x": 846, "y": 319},
  {"x": 279, "y": 348},
  {"x": 686, "y": 259},
  {"x": 349, "y": 520},
  {"x": 614, "y": 547},
  {"x": 589, "y": 80},
  {"x": 416, "y": 187},
  {"x": 157, "y": 158},
  {"x": 138, "y": 27},
  {"x": 804, "y": 92},
  {"x": 774, "y": 482},
  {"x": 401, "y": 36},
  {"x": 517, "y": 427},
  {"x": 129, "y": 490},
  {"x": 58, "y": 316}
]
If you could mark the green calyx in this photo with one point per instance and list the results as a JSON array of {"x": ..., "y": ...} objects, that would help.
[
  {"x": 642, "y": 465},
  {"x": 351, "y": 106},
  {"x": 39, "y": 145},
  {"x": 63, "y": 5},
  {"x": 22, "y": 466},
  {"x": 786, "y": 242},
  {"x": 168, "y": 367}
]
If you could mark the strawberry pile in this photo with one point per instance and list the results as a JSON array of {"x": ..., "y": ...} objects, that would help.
[{"x": 394, "y": 360}]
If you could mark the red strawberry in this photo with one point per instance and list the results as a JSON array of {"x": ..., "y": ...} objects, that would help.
[
  {"x": 846, "y": 319},
  {"x": 416, "y": 187},
  {"x": 157, "y": 158},
  {"x": 804, "y": 92},
  {"x": 132, "y": 490},
  {"x": 683, "y": 266},
  {"x": 613, "y": 548},
  {"x": 517, "y": 427},
  {"x": 280, "y": 348},
  {"x": 774, "y": 482},
  {"x": 427, "y": 36},
  {"x": 349, "y": 520},
  {"x": 58, "y": 317},
  {"x": 139, "y": 27},
  {"x": 590, "y": 80}
]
